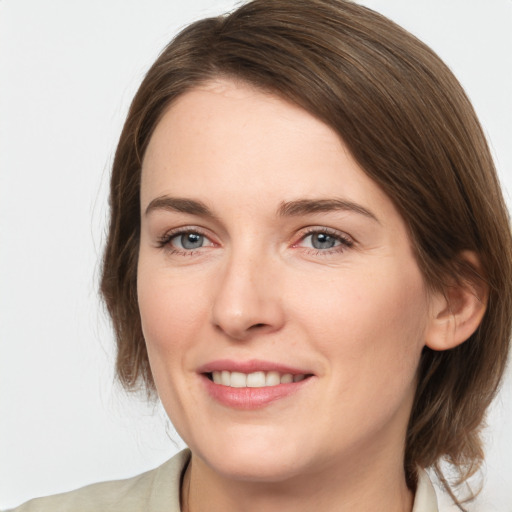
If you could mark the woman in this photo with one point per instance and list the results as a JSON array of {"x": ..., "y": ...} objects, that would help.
[{"x": 302, "y": 261}]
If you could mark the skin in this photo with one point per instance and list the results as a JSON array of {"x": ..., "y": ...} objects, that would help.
[{"x": 355, "y": 316}]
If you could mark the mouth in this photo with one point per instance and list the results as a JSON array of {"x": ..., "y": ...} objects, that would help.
[
  {"x": 252, "y": 384},
  {"x": 258, "y": 379}
]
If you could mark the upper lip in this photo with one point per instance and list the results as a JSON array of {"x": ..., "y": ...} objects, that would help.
[{"x": 250, "y": 366}]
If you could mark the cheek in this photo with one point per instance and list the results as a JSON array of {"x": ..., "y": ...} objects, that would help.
[
  {"x": 371, "y": 326},
  {"x": 170, "y": 315},
  {"x": 170, "y": 310}
]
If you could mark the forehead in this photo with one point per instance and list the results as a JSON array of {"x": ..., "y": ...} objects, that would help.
[
  {"x": 239, "y": 117},
  {"x": 233, "y": 142}
]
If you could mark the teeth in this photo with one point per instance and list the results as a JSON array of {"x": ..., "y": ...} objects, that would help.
[
  {"x": 286, "y": 378},
  {"x": 238, "y": 380},
  {"x": 255, "y": 379},
  {"x": 273, "y": 379}
]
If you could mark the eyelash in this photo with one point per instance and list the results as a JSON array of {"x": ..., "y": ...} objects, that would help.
[{"x": 345, "y": 242}]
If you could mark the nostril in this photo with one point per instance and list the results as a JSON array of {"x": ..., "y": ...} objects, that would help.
[{"x": 257, "y": 326}]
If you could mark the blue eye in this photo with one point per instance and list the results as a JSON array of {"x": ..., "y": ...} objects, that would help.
[
  {"x": 188, "y": 241},
  {"x": 323, "y": 241},
  {"x": 185, "y": 241}
]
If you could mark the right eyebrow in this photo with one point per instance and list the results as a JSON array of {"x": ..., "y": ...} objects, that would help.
[{"x": 179, "y": 204}]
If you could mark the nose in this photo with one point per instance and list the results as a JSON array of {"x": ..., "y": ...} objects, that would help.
[{"x": 247, "y": 298}]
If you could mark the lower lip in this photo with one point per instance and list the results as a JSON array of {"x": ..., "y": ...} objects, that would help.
[{"x": 251, "y": 398}]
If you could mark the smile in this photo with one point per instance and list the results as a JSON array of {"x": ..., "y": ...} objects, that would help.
[
  {"x": 252, "y": 384},
  {"x": 257, "y": 379}
]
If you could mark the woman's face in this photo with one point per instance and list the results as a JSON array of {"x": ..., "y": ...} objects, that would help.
[{"x": 270, "y": 263}]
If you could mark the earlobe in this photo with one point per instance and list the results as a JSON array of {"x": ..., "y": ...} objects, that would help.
[{"x": 458, "y": 310}]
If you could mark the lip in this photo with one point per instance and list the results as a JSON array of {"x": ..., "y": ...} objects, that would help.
[
  {"x": 251, "y": 398},
  {"x": 250, "y": 366}
]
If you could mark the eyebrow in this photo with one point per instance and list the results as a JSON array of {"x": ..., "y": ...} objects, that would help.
[
  {"x": 308, "y": 206},
  {"x": 181, "y": 205},
  {"x": 294, "y": 208}
]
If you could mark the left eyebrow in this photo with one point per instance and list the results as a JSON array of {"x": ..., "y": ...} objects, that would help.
[{"x": 308, "y": 206}]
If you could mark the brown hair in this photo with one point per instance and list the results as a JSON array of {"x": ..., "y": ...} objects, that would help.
[{"x": 408, "y": 123}]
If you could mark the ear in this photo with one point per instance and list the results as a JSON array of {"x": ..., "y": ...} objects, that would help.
[{"x": 456, "y": 311}]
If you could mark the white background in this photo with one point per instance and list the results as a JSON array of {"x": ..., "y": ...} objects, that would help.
[{"x": 68, "y": 69}]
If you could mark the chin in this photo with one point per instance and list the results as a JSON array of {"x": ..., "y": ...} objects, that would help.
[{"x": 254, "y": 458}]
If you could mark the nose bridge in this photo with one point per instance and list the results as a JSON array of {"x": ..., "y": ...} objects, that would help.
[{"x": 247, "y": 297}]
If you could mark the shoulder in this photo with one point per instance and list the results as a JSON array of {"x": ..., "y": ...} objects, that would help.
[{"x": 154, "y": 491}]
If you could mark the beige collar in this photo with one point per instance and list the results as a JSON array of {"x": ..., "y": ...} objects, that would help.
[{"x": 425, "y": 499}]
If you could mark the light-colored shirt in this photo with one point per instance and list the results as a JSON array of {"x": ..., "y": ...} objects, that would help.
[{"x": 158, "y": 490}]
